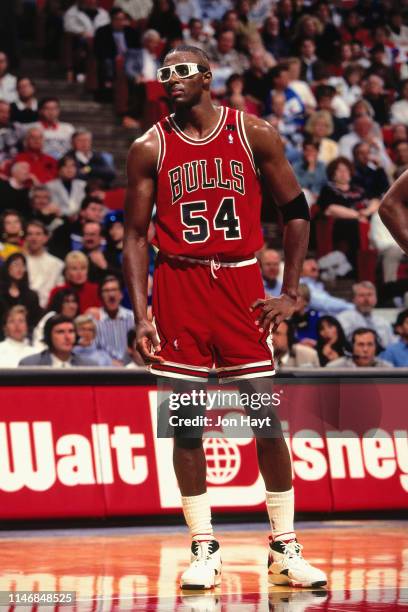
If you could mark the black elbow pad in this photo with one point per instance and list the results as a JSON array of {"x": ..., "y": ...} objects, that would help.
[{"x": 296, "y": 209}]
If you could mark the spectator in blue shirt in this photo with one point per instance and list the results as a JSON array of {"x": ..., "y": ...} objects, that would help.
[
  {"x": 397, "y": 353},
  {"x": 321, "y": 299},
  {"x": 85, "y": 327},
  {"x": 270, "y": 261},
  {"x": 310, "y": 172},
  {"x": 305, "y": 318}
]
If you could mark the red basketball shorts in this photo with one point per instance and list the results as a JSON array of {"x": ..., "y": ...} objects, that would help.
[{"x": 203, "y": 319}]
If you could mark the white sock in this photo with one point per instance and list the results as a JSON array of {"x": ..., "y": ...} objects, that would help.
[
  {"x": 197, "y": 513},
  {"x": 281, "y": 510}
]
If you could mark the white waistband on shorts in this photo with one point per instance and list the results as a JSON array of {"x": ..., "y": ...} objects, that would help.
[{"x": 210, "y": 261}]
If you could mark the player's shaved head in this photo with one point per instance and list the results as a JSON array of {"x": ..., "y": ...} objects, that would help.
[{"x": 199, "y": 54}]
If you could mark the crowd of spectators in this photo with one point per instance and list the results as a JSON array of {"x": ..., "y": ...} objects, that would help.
[{"x": 331, "y": 77}]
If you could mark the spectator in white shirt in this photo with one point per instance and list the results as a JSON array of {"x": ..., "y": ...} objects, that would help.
[
  {"x": 57, "y": 134},
  {"x": 365, "y": 300},
  {"x": 67, "y": 192},
  {"x": 44, "y": 270},
  {"x": 16, "y": 345},
  {"x": 8, "y": 82},
  {"x": 399, "y": 110}
]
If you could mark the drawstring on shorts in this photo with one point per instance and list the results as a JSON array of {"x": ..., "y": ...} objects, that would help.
[{"x": 215, "y": 265}]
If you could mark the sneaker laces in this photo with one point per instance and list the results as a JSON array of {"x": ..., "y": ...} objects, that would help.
[
  {"x": 292, "y": 552},
  {"x": 203, "y": 550}
]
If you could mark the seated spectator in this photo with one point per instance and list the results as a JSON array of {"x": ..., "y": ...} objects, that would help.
[
  {"x": 137, "y": 10},
  {"x": 42, "y": 167},
  {"x": 8, "y": 82},
  {"x": 310, "y": 172},
  {"x": 320, "y": 126},
  {"x": 329, "y": 39},
  {"x": 11, "y": 233},
  {"x": 310, "y": 63},
  {"x": 235, "y": 97},
  {"x": 60, "y": 337},
  {"x": 224, "y": 60},
  {"x": 195, "y": 35},
  {"x": 114, "y": 321},
  {"x": 42, "y": 209},
  {"x": 91, "y": 164},
  {"x": 375, "y": 95},
  {"x": 320, "y": 298},
  {"x": 347, "y": 205},
  {"x": 137, "y": 360},
  {"x": 274, "y": 42},
  {"x": 252, "y": 44},
  {"x": 93, "y": 245},
  {"x": 400, "y": 150},
  {"x": 164, "y": 20},
  {"x": 359, "y": 54},
  {"x": 362, "y": 315},
  {"x": 10, "y": 135},
  {"x": 140, "y": 66},
  {"x": 305, "y": 318},
  {"x": 64, "y": 302},
  {"x": 76, "y": 278},
  {"x": 294, "y": 111},
  {"x": 270, "y": 262},
  {"x": 364, "y": 346},
  {"x": 325, "y": 97},
  {"x": 44, "y": 270},
  {"x": 15, "y": 290},
  {"x": 67, "y": 192},
  {"x": 399, "y": 33},
  {"x": 289, "y": 132},
  {"x": 68, "y": 236},
  {"x": 15, "y": 345},
  {"x": 81, "y": 22},
  {"x": 287, "y": 354},
  {"x": 331, "y": 341},
  {"x": 399, "y": 110},
  {"x": 256, "y": 79},
  {"x": 86, "y": 345},
  {"x": 112, "y": 41},
  {"x": 380, "y": 67},
  {"x": 57, "y": 134},
  {"x": 25, "y": 108},
  {"x": 397, "y": 353},
  {"x": 349, "y": 86},
  {"x": 388, "y": 250},
  {"x": 114, "y": 230},
  {"x": 368, "y": 174},
  {"x": 14, "y": 192},
  {"x": 352, "y": 29},
  {"x": 300, "y": 87}
]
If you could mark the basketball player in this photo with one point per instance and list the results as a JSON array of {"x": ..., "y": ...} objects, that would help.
[
  {"x": 394, "y": 210},
  {"x": 202, "y": 167}
]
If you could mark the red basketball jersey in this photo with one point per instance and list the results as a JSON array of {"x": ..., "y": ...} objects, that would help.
[{"x": 208, "y": 192}]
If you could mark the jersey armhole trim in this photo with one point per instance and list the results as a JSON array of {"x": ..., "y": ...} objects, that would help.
[
  {"x": 244, "y": 139},
  {"x": 162, "y": 146}
]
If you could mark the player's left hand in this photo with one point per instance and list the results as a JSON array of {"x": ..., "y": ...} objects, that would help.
[{"x": 274, "y": 311}]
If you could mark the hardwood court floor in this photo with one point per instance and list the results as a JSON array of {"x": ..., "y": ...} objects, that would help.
[{"x": 137, "y": 569}]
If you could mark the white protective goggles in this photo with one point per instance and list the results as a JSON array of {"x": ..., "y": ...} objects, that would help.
[{"x": 183, "y": 71}]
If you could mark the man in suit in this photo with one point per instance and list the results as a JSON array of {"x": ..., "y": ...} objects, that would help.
[
  {"x": 60, "y": 338},
  {"x": 112, "y": 41}
]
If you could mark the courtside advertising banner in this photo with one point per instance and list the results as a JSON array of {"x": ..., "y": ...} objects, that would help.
[{"x": 93, "y": 451}]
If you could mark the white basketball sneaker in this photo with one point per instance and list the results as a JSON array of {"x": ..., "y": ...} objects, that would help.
[
  {"x": 287, "y": 566},
  {"x": 205, "y": 568}
]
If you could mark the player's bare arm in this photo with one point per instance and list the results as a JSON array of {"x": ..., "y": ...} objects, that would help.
[
  {"x": 141, "y": 173},
  {"x": 394, "y": 210},
  {"x": 282, "y": 186}
]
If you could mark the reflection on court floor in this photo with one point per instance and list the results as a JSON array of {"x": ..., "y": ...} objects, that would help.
[{"x": 137, "y": 569}]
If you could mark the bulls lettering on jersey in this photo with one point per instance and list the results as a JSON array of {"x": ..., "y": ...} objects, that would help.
[{"x": 208, "y": 193}]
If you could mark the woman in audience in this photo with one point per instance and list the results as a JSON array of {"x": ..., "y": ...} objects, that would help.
[
  {"x": 235, "y": 98},
  {"x": 11, "y": 233},
  {"x": 347, "y": 205},
  {"x": 65, "y": 302},
  {"x": 14, "y": 289},
  {"x": 320, "y": 127},
  {"x": 331, "y": 340}
]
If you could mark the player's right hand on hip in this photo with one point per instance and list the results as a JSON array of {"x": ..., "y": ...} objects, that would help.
[{"x": 147, "y": 342}]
